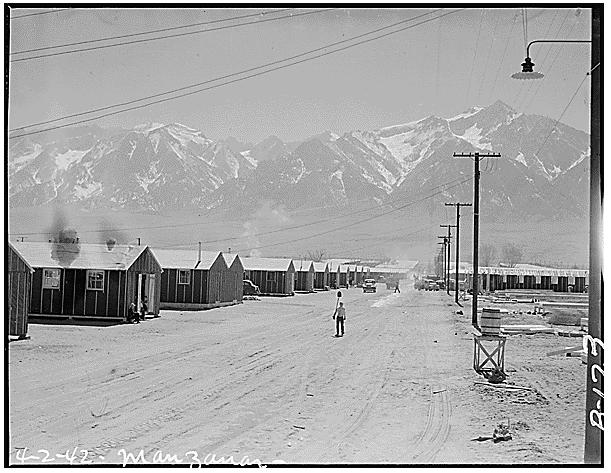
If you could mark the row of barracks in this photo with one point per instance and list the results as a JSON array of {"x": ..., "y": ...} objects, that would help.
[{"x": 82, "y": 281}]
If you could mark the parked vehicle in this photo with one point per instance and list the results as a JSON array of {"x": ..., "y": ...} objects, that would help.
[
  {"x": 431, "y": 285},
  {"x": 250, "y": 289},
  {"x": 369, "y": 285}
]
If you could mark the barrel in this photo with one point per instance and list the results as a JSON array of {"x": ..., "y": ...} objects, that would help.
[{"x": 490, "y": 321}]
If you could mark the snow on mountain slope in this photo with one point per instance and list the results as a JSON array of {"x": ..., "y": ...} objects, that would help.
[{"x": 156, "y": 166}]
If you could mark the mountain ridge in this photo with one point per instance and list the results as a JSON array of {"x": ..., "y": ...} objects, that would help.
[{"x": 173, "y": 166}]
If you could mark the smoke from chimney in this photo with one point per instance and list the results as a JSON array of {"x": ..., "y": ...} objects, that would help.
[
  {"x": 65, "y": 246},
  {"x": 110, "y": 243},
  {"x": 108, "y": 232}
]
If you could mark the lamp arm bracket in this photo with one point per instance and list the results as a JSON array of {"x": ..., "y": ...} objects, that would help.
[{"x": 555, "y": 41}]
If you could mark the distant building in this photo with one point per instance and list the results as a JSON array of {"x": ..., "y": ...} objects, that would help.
[
  {"x": 304, "y": 275},
  {"x": 84, "y": 281},
  {"x": 274, "y": 276},
  {"x": 236, "y": 285},
  {"x": 321, "y": 275},
  {"x": 196, "y": 280},
  {"x": 344, "y": 269},
  {"x": 334, "y": 270},
  {"x": 530, "y": 277}
]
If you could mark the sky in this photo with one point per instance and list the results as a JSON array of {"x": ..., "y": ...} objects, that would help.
[{"x": 442, "y": 67}]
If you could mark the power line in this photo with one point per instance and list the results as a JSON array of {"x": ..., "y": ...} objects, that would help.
[
  {"x": 481, "y": 18},
  {"x": 227, "y": 82},
  {"x": 525, "y": 26},
  {"x": 481, "y": 84},
  {"x": 215, "y": 79},
  {"x": 513, "y": 23},
  {"x": 39, "y": 13},
  {"x": 325, "y": 232},
  {"x": 121, "y": 104},
  {"x": 565, "y": 109},
  {"x": 354, "y": 223},
  {"x": 157, "y": 227},
  {"x": 330, "y": 219},
  {"x": 160, "y": 30},
  {"x": 548, "y": 70},
  {"x": 93, "y": 48}
]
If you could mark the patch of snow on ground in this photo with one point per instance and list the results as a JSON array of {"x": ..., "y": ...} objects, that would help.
[
  {"x": 520, "y": 158},
  {"x": 543, "y": 168},
  {"x": 580, "y": 159},
  {"x": 233, "y": 164},
  {"x": 155, "y": 140},
  {"x": 400, "y": 128},
  {"x": 466, "y": 114},
  {"x": 473, "y": 136},
  {"x": 399, "y": 145},
  {"x": 152, "y": 176},
  {"x": 86, "y": 191},
  {"x": 177, "y": 152},
  {"x": 188, "y": 128},
  {"x": 62, "y": 161},
  {"x": 185, "y": 135},
  {"x": 341, "y": 192},
  {"x": 382, "y": 185},
  {"x": 21, "y": 161},
  {"x": 298, "y": 178},
  {"x": 246, "y": 155},
  {"x": 148, "y": 127}
]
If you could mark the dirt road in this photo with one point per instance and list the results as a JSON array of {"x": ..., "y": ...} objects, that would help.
[{"x": 267, "y": 380}]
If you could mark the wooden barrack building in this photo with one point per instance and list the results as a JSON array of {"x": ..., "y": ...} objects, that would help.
[
  {"x": 196, "y": 280},
  {"x": 90, "y": 281},
  {"x": 19, "y": 282},
  {"x": 304, "y": 275},
  {"x": 274, "y": 276}
]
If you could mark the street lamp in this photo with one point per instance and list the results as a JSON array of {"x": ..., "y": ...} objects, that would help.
[
  {"x": 527, "y": 66},
  {"x": 594, "y": 428}
]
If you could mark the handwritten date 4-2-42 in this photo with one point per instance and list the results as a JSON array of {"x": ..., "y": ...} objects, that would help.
[
  {"x": 75, "y": 456},
  {"x": 82, "y": 456}
]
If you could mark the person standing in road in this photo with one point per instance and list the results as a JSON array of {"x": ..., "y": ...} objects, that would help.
[
  {"x": 397, "y": 287},
  {"x": 339, "y": 315}
]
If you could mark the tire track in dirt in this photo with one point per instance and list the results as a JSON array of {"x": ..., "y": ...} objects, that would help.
[
  {"x": 163, "y": 360},
  {"x": 437, "y": 427},
  {"x": 365, "y": 343},
  {"x": 313, "y": 351},
  {"x": 253, "y": 369},
  {"x": 366, "y": 409},
  {"x": 308, "y": 356}
]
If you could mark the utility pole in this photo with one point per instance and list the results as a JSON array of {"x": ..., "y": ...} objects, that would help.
[
  {"x": 477, "y": 156},
  {"x": 458, "y": 205},
  {"x": 444, "y": 243},
  {"x": 593, "y": 451},
  {"x": 446, "y": 276}
]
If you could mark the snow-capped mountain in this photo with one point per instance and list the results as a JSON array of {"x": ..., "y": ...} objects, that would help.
[
  {"x": 153, "y": 166},
  {"x": 542, "y": 172}
]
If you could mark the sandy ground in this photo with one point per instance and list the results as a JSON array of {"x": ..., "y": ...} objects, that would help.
[{"x": 267, "y": 380}]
